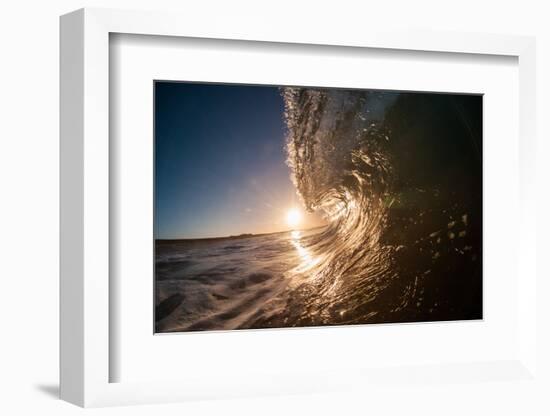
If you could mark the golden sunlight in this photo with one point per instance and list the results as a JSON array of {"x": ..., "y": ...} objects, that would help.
[{"x": 293, "y": 217}]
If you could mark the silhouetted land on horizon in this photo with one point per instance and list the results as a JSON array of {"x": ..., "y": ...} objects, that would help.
[{"x": 230, "y": 237}]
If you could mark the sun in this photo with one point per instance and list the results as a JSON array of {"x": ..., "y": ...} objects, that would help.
[{"x": 293, "y": 217}]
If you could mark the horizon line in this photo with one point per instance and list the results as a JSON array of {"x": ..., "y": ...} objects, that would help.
[{"x": 244, "y": 235}]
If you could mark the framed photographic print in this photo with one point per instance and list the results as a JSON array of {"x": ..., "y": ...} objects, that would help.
[{"x": 271, "y": 212}]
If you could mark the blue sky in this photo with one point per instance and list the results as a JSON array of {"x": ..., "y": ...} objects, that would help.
[{"x": 220, "y": 161}]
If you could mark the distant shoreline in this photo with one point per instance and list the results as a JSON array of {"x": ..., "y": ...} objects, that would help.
[{"x": 230, "y": 237}]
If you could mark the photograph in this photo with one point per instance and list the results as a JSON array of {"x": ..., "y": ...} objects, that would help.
[{"x": 304, "y": 206}]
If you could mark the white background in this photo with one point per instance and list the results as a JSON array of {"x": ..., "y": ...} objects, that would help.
[{"x": 29, "y": 208}]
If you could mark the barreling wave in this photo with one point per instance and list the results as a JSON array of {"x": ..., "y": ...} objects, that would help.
[
  {"x": 349, "y": 156},
  {"x": 337, "y": 152}
]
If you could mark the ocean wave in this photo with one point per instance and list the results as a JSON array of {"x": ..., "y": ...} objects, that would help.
[{"x": 387, "y": 170}]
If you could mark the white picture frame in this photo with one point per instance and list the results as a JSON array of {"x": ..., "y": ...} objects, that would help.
[{"x": 85, "y": 220}]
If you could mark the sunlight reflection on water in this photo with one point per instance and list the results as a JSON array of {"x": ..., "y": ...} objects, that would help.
[{"x": 307, "y": 260}]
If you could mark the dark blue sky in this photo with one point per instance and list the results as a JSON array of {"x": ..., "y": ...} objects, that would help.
[{"x": 219, "y": 160}]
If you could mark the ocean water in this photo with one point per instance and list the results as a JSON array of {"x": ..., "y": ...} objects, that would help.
[
  {"x": 398, "y": 178},
  {"x": 231, "y": 283}
]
